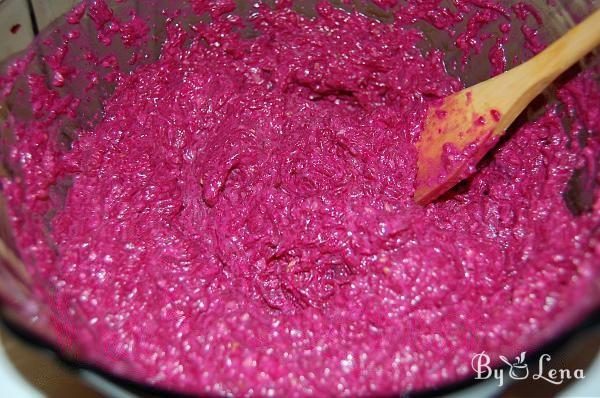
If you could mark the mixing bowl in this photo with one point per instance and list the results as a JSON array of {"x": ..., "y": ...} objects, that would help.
[{"x": 22, "y": 20}]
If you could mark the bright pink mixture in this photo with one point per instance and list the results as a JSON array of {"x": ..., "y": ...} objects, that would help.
[{"x": 240, "y": 219}]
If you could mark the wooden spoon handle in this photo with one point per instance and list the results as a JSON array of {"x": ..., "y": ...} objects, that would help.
[
  {"x": 512, "y": 91},
  {"x": 566, "y": 51}
]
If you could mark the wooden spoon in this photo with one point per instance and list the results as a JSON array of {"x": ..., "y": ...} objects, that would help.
[{"x": 466, "y": 125}]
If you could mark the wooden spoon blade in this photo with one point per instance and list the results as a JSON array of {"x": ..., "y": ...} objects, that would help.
[{"x": 455, "y": 138}]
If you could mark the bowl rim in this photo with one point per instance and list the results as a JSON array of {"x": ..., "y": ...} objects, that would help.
[{"x": 590, "y": 321}]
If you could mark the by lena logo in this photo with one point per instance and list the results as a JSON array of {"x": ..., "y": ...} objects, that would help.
[{"x": 519, "y": 370}]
